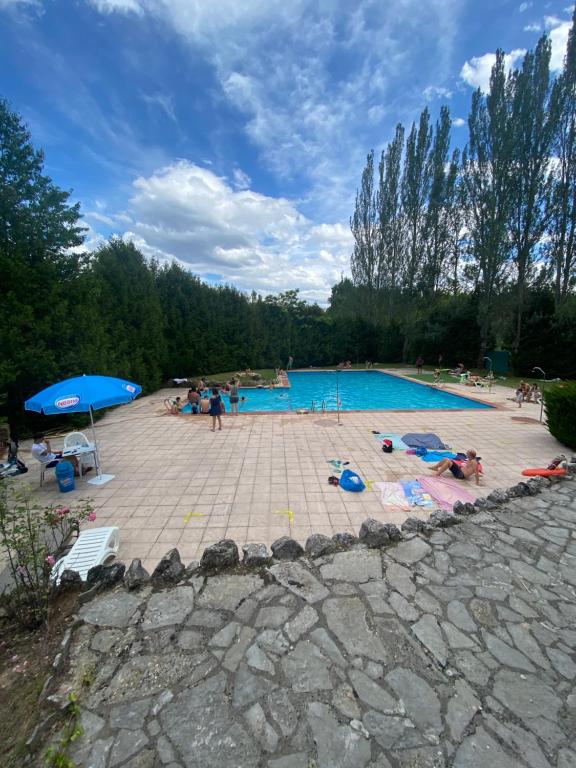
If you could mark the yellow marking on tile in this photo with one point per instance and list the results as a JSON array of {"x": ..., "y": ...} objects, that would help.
[
  {"x": 288, "y": 512},
  {"x": 369, "y": 484},
  {"x": 193, "y": 514}
]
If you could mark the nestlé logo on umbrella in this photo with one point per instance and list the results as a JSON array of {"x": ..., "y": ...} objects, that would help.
[{"x": 67, "y": 402}]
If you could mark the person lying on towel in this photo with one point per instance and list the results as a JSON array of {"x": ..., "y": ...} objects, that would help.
[{"x": 460, "y": 470}]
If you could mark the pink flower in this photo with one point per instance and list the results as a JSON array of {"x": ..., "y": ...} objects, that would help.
[
  {"x": 63, "y": 511},
  {"x": 51, "y": 560},
  {"x": 92, "y": 517}
]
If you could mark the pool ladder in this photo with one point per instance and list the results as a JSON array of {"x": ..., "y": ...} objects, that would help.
[{"x": 323, "y": 407}]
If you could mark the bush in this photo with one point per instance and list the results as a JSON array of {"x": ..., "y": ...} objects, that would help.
[
  {"x": 560, "y": 402},
  {"x": 33, "y": 538}
]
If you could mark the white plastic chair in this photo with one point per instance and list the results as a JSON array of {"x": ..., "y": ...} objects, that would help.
[
  {"x": 91, "y": 548},
  {"x": 79, "y": 440},
  {"x": 75, "y": 440}
]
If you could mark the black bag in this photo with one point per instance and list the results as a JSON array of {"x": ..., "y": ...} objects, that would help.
[{"x": 387, "y": 446}]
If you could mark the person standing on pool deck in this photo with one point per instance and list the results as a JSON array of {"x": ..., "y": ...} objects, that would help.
[
  {"x": 290, "y": 361},
  {"x": 462, "y": 471},
  {"x": 216, "y": 409},
  {"x": 234, "y": 398},
  {"x": 419, "y": 363}
]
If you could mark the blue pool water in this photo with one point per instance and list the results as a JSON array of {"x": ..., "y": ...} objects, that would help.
[{"x": 359, "y": 391}]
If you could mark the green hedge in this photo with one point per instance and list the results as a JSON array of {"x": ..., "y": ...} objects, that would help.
[{"x": 560, "y": 402}]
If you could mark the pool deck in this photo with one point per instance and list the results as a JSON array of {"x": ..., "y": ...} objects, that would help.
[{"x": 179, "y": 485}]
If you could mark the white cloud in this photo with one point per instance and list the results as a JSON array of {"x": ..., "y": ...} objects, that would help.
[
  {"x": 476, "y": 72},
  {"x": 535, "y": 27},
  {"x": 523, "y": 7},
  {"x": 559, "y": 39},
  {"x": 275, "y": 62},
  {"x": 241, "y": 180},
  {"x": 458, "y": 122},
  {"x": 256, "y": 242},
  {"x": 432, "y": 92},
  {"x": 120, "y": 6}
]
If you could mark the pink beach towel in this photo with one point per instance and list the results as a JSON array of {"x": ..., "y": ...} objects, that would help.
[
  {"x": 392, "y": 495},
  {"x": 446, "y": 491}
]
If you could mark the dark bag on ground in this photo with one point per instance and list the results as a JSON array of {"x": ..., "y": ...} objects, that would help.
[{"x": 387, "y": 446}]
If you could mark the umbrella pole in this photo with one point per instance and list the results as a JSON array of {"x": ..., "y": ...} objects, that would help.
[
  {"x": 100, "y": 479},
  {"x": 96, "y": 454}
]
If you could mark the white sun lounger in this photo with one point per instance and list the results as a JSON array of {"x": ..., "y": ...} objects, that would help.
[{"x": 91, "y": 548}]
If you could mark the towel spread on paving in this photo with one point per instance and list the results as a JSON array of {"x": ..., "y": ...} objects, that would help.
[
  {"x": 438, "y": 456},
  {"x": 423, "y": 440},
  {"x": 446, "y": 491},
  {"x": 397, "y": 443},
  {"x": 415, "y": 494},
  {"x": 392, "y": 495}
]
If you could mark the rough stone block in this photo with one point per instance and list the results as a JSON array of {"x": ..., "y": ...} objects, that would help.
[
  {"x": 464, "y": 508},
  {"x": 374, "y": 533},
  {"x": 223, "y": 554},
  {"x": 170, "y": 569},
  {"x": 286, "y": 548},
  {"x": 414, "y": 525},
  {"x": 442, "y": 519},
  {"x": 344, "y": 540},
  {"x": 106, "y": 575},
  {"x": 70, "y": 579},
  {"x": 317, "y": 545},
  {"x": 255, "y": 555},
  {"x": 136, "y": 575}
]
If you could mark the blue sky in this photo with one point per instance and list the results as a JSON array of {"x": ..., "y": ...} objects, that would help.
[{"x": 231, "y": 134}]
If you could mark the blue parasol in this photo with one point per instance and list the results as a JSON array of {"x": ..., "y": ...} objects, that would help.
[{"x": 84, "y": 394}]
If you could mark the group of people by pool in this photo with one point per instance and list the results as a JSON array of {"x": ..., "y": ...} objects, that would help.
[
  {"x": 526, "y": 393},
  {"x": 204, "y": 400}
]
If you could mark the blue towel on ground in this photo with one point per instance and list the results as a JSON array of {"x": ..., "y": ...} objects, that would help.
[
  {"x": 438, "y": 456},
  {"x": 423, "y": 440}
]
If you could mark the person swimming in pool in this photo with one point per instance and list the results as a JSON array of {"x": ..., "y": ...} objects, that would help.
[{"x": 462, "y": 471}]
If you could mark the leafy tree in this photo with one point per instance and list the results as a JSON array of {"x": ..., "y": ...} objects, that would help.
[
  {"x": 487, "y": 174},
  {"x": 415, "y": 188},
  {"x": 561, "y": 248},
  {"x": 390, "y": 221},
  {"x": 533, "y": 121},
  {"x": 38, "y": 227},
  {"x": 364, "y": 225}
]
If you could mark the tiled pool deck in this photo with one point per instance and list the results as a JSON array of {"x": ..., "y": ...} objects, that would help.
[{"x": 179, "y": 485}]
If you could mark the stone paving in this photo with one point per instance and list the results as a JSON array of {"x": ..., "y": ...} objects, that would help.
[
  {"x": 454, "y": 647},
  {"x": 179, "y": 485}
]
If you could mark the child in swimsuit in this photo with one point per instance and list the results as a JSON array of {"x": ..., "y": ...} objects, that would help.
[{"x": 216, "y": 409}]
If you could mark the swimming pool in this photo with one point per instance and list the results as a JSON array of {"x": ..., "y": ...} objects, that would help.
[{"x": 358, "y": 390}]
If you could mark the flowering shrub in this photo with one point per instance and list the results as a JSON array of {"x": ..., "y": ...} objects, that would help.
[{"x": 33, "y": 537}]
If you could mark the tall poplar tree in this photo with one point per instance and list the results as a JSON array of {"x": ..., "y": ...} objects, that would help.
[
  {"x": 436, "y": 235},
  {"x": 415, "y": 188},
  {"x": 487, "y": 172},
  {"x": 391, "y": 229},
  {"x": 561, "y": 246},
  {"x": 533, "y": 120},
  {"x": 364, "y": 226}
]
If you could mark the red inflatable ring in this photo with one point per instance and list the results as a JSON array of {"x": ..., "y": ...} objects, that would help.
[{"x": 543, "y": 472}]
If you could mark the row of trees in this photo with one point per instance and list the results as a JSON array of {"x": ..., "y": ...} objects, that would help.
[
  {"x": 65, "y": 311},
  {"x": 497, "y": 219}
]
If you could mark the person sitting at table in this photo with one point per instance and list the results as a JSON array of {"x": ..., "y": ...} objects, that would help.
[{"x": 42, "y": 452}]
